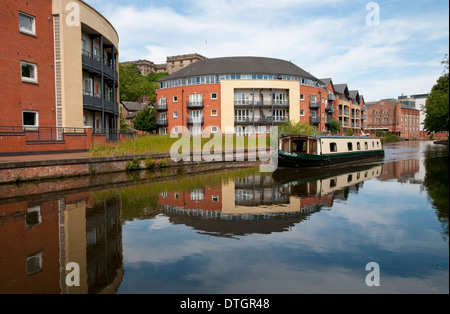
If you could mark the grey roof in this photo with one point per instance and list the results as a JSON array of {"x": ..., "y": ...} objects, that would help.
[
  {"x": 134, "y": 106},
  {"x": 354, "y": 94},
  {"x": 240, "y": 65},
  {"x": 340, "y": 88}
]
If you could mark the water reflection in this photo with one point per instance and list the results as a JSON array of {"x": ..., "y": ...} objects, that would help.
[{"x": 173, "y": 235}]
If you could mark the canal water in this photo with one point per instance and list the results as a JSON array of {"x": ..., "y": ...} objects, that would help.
[{"x": 378, "y": 227}]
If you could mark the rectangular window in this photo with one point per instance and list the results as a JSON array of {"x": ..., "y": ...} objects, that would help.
[
  {"x": 175, "y": 98},
  {"x": 175, "y": 114},
  {"x": 333, "y": 147},
  {"x": 302, "y": 96},
  {"x": 213, "y": 96},
  {"x": 87, "y": 86},
  {"x": 195, "y": 99},
  {"x": 214, "y": 129},
  {"x": 214, "y": 113},
  {"x": 29, "y": 72},
  {"x": 27, "y": 24},
  {"x": 302, "y": 113},
  {"x": 30, "y": 118}
]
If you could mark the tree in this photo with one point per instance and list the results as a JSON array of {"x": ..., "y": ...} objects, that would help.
[
  {"x": 290, "y": 128},
  {"x": 437, "y": 104},
  {"x": 133, "y": 85},
  {"x": 145, "y": 120},
  {"x": 335, "y": 126}
]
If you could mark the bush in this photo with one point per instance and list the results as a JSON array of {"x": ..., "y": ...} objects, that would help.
[{"x": 133, "y": 165}]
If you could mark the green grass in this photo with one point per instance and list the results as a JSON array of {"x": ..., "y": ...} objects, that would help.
[{"x": 159, "y": 144}]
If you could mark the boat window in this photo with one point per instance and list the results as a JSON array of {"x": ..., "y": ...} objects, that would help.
[
  {"x": 286, "y": 145},
  {"x": 358, "y": 145},
  {"x": 299, "y": 146},
  {"x": 366, "y": 146},
  {"x": 378, "y": 144},
  {"x": 350, "y": 146},
  {"x": 333, "y": 147},
  {"x": 373, "y": 144},
  {"x": 312, "y": 147}
]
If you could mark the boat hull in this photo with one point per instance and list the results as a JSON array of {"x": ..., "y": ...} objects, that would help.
[{"x": 295, "y": 160}]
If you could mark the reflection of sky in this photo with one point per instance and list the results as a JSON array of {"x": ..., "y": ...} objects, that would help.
[{"x": 387, "y": 222}]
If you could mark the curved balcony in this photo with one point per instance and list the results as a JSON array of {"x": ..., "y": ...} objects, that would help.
[
  {"x": 97, "y": 66},
  {"x": 96, "y": 103}
]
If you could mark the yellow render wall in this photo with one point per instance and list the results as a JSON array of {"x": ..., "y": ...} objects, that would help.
[{"x": 227, "y": 88}]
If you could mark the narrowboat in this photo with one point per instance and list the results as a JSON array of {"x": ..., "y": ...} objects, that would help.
[{"x": 301, "y": 151}]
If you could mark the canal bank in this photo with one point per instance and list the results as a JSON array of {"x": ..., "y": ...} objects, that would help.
[{"x": 39, "y": 167}]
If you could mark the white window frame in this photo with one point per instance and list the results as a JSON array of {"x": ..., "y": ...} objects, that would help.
[
  {"x": 212, "y": 114},
  {"x": 175, "y": 99},
  {"x": 33, "y": 24},
  {"x": 88, "y": 86},
  {"x": 214, "y": 129},
  {"x": 36, "y": 119},
  {"x": 175, "y": 114},
  {"x": 214, "y": 96},
  {"x": 29, "y": 79}
]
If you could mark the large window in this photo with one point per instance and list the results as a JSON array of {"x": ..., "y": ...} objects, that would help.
[
  {"x": 28, "y": 72},
  {"x": 241, "y": 98},
  {"x": 27, "y": 24}
]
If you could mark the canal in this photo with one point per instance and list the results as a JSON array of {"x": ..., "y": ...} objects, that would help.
[{"x": 378, "y": 227}]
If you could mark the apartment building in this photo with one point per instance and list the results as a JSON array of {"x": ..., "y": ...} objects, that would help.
[
  {"x": 351, "y": 108},
  {"x": 395, "y": 117},
  {"x": 58, "y": 63},
  {"x": 245, "y": 94}
]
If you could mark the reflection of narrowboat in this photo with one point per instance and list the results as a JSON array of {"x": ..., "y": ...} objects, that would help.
[{"x": 318, "y": 151}]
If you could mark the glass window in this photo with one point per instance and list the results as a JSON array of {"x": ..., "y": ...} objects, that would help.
[
  {"x": 333, "y": 147},
  {"x": 26, "y": 23},
  {"x": 350, "y": 146},
  {"x": 30, "y": 118},
  {"x": 29, "y": 71}
]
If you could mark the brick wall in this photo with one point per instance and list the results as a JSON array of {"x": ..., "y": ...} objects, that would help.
[{"x": 38, "y": 49}]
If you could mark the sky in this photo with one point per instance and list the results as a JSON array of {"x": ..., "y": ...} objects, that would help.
[{"x": 383, "y": 49}]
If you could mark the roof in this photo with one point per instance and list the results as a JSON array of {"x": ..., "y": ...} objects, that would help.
[
  {"x": 340, "y": 88},
  {"x": 240, "y": 65},
  {"x": 135, "y": 106}
]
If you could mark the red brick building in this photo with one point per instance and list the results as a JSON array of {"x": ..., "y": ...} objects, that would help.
[{"x": 244, "y": 94}]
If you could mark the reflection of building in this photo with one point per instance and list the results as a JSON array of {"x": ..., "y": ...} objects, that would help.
[{"x": 44, "y": 236}]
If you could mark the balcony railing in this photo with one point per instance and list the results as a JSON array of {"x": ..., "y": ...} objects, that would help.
[
  {"x": 314, "y": 120},
  {"x": 94, "y": 63},
  {"x": 162, "y": 122},
  {"x": 195, "y": 120},
  {"x": 330, "y": 109},
  {"x": 314, "y": 104},
  {"x": 94, "y": 102},
  {"x": 275, "y": 104},
  {"x": 195, "y": 104},
  {"x": 331, "y": 97},
  {"x": 260, "y": 120},
  {"x": 161, "y": 107}
]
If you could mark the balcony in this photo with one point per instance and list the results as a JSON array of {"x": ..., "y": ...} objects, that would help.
[
  {"x": 260, "y": 120},
  {"x": 94, "y": 102},
  {"x": 195, "y": 104},
  {"x": 161, "y": 107},
  {"x": 268, "y": 104},
  {"x": 314, "y": 120},
  {"x": 162, "y": 122},
  {"x": 331, "y": 97},
  {"x": 330, "y": 109},
  {"x": 195, "y": 120},
  {"x": 314, "y": 105},
  {"x": 94, "y": 65},
  {"x": 328, "y": 120}
]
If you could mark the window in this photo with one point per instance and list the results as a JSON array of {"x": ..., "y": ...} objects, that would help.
[
  {"x": 214, "y": 113},
  {"x": 29, "y": 72},
  {"x": 30, "y": 118},
  {"x": 214, "y": 129},
  {"x": 195, "y": 99},
  {"x": 366, "y": 146},
  {"x": 27, "y": 24},
  {"x": 386, "y": 120},
  {"x": 213, "y": 96},
  {"x": 358, "y": 145},
  {"x": 313, "y": 98},
  {"x": 302, "y": 96},
  {"x": 302, "y": 113},
  {"x": 34, "y": 263},
  {"x": 350, "y": 146},
  {"x": 175, "y": 114},
  {"x": 215, "y": 198},
  {"x": 175, "y": 98},
  {"x": 241, "y": 98},
  {"x": 87, "y": 87},
  {"x": 333, "y": 147}
]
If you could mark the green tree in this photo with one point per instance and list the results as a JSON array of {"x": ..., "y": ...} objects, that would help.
[
  {"x": 437, "y": 105},
  {"x": 145, "y": 120},
  {"x": 335, "y": 126},
  {"x": 133, "y": 85},
  {"x": 290, "y": 128}
]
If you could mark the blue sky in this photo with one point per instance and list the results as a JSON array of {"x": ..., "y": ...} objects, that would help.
[{"x": 401, "y": 54}]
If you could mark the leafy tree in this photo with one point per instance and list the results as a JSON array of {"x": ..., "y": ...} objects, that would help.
[
  {"x": 290, "y": 128},
  {"x": 335, "y": 126},
  {"x": 133, "y": 85},
  {"x": 436, "y": 107},
  {"x": 145, "y": 120}
]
